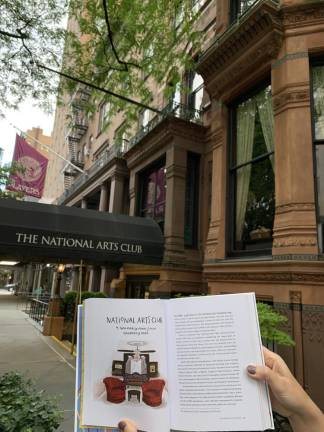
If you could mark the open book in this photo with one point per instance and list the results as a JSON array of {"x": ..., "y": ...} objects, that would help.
[{"x": 177, "y": 364}]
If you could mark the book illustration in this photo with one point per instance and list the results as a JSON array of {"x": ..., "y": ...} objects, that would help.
[{"x": 135, "y": 377}]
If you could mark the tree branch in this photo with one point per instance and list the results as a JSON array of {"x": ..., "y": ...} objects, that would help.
[
  {"x": 21, "y": 35},
  {"x": 110, "y": 37},
  {"x": 81, "y": 81}
]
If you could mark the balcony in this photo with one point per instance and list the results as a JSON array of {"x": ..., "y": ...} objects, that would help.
[
  {"x": 244, "y": 52},
  {"x": 85, "y": 178},
  {"x": 172, "y": 110}
]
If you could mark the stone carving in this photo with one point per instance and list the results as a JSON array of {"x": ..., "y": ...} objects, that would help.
[
  {"x": 313, "y": 326},
  {"x": 242, "y": 49},
  {"x": 290, "y": 97},
  {"x": 302, "y": 15},
  {"x": 289, "y": 277},
  {"x": 295, "y": 296},
  {"x": 294, "y": 242},
  {"x": 285, "y": 208}
]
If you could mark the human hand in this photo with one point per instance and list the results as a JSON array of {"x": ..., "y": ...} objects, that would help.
[
  {"x": 287, "y": 395},
  {"x": 127, "y": 425}
]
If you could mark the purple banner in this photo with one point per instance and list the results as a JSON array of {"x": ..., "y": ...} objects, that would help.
[{"x": 32, "y": 165}]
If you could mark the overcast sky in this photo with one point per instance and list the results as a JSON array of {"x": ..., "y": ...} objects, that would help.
[{"x": 25, "y": 118}]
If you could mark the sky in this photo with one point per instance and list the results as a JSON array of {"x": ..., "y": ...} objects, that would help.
[{"x": 26, "y": 117}]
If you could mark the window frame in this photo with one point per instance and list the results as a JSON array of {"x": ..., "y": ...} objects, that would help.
[
  {"x": 316, "y": 61},
  {"x": 196, "y": 159},
  {"x": 231, "y": 252},
  {"x": 142, "y": 177}
]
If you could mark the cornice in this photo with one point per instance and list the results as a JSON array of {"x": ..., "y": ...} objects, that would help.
[
  {"x": 309, "y": 13},
  {"x": 246, "y": 47}
]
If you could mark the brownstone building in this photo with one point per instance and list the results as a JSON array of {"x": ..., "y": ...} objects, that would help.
[{"x": 231, "y": 171}]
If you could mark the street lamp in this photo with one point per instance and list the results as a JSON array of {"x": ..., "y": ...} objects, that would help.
[{"x": 60, "y": 269}]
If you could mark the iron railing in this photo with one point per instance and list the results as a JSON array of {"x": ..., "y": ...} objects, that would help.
[
  {"x": 37, "y": 309},
  {"x": 118, "y": 149}
]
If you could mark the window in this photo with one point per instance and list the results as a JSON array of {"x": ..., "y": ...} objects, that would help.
[
  {"x": 144, "y": 118},
  {"x": 121, "y": 138},
  {"x": 198, "y": 4},
  {"x": 103, "y": 116},
  {"x": 153, "y": 192},
  {"x": 191, "y": 200},
  {"x": 252, "y": 173},
  {"x": 175, "y": 100},
  {"x": 238, "y": 7},
  {"x": 317, "y": 74},
  {"x": 196, "y": 91}
]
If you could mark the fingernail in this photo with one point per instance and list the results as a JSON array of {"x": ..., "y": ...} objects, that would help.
[
  {"x": 122, "y": 425},
  {"x": 251, "y": 369}
]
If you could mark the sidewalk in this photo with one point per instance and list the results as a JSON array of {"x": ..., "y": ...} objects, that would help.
[{"x": 25, "y": 349}]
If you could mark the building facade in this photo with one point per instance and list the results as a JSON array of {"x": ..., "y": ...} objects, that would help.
[{"x": 231, "y": 171}]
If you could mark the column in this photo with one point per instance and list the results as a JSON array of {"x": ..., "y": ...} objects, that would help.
[
  {"x": 132, "y": 195},
  {"x": 296, "y": 305},
  {"x": 103, "y": 203},
  {"x": 295, "y": 231},
  {"x": 84, "y": 203},
  {"x": 91, "y": 278},
  {"x": 75, "y": 279},
  {"x": 103, "y": 278},
  {"x": 116, "y": 194},
  {"x": 215, "y": 245},
  {"x": 176, "y": 164}
]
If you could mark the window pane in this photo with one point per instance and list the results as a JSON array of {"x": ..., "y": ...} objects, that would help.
[
  {"x": 197, "y": 81},
  {"x": 318, "y": 93},
  {"x": 153, "y": 195},
  {"x": 191, "y": 200},
  {"x": 254, "y": 175},
  {"x": 255, "y": 212}
]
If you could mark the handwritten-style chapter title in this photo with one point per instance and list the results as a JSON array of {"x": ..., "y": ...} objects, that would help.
[
  {"x": 77, "y": 243},
  {"x": 132, "y": 320}
]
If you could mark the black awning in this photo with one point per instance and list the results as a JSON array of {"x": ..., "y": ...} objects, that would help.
[{"x": 41, "y": 232}]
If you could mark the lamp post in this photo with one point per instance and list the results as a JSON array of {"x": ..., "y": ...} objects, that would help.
[{"x": 60, "y": 269}]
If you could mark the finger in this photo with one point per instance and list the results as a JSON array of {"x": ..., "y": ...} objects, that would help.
[
  {"x": 260, "y": 373},
  {"x": 126, "y": 425}
]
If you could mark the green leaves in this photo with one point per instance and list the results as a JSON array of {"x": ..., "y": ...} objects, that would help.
[
  {"x": 271, "y": 323},
  {"x": 37, "y": 29},
  {"x": 25, "y": 409},
  {"x": 141, "y": 47}
]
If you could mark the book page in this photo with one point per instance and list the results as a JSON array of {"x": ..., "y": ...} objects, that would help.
[
  {"x": 211, "y": 341},
  {"x": 124, "y": 364}
]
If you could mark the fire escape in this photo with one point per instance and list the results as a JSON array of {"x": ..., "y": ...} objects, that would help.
[{"x": 77, "y": 127}]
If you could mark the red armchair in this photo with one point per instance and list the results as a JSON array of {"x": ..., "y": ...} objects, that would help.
[
  {"x": 152, "y": 392},
  {"x": 115, "y": 389}
]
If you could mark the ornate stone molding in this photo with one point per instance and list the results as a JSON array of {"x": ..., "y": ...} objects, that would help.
[
  {"x": 294, "y": 242},
  {"x": 306, "y": 14},
  {"x": 290, "y": 97},
  {"x": 242, "y": 50},
  {"x": 298, "y": 207},
  {"x": 271, "y": 277}
]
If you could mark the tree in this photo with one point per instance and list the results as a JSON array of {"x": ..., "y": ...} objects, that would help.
[
  {"x": 129, "y": 45},
  {"x": 5, "y": 172},
  {"x": 122, "y": 46},
  {"x": 31, "y": 31}
]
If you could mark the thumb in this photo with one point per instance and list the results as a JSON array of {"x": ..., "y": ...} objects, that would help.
[
  {"x": 261, "y": 373},
  {"x": 126, "y": 425}
]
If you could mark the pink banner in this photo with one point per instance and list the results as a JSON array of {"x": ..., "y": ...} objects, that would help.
[{"x": 32, "y": 165}]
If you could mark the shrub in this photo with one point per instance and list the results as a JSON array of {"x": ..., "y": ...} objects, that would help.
[
  {"x": 270, "y": 323},
  {"x": 25, "y": 409},
  {"x": 70, "y": 298}
]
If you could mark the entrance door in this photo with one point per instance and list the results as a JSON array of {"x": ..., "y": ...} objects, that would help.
[{"x": 137, "y": 286}]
